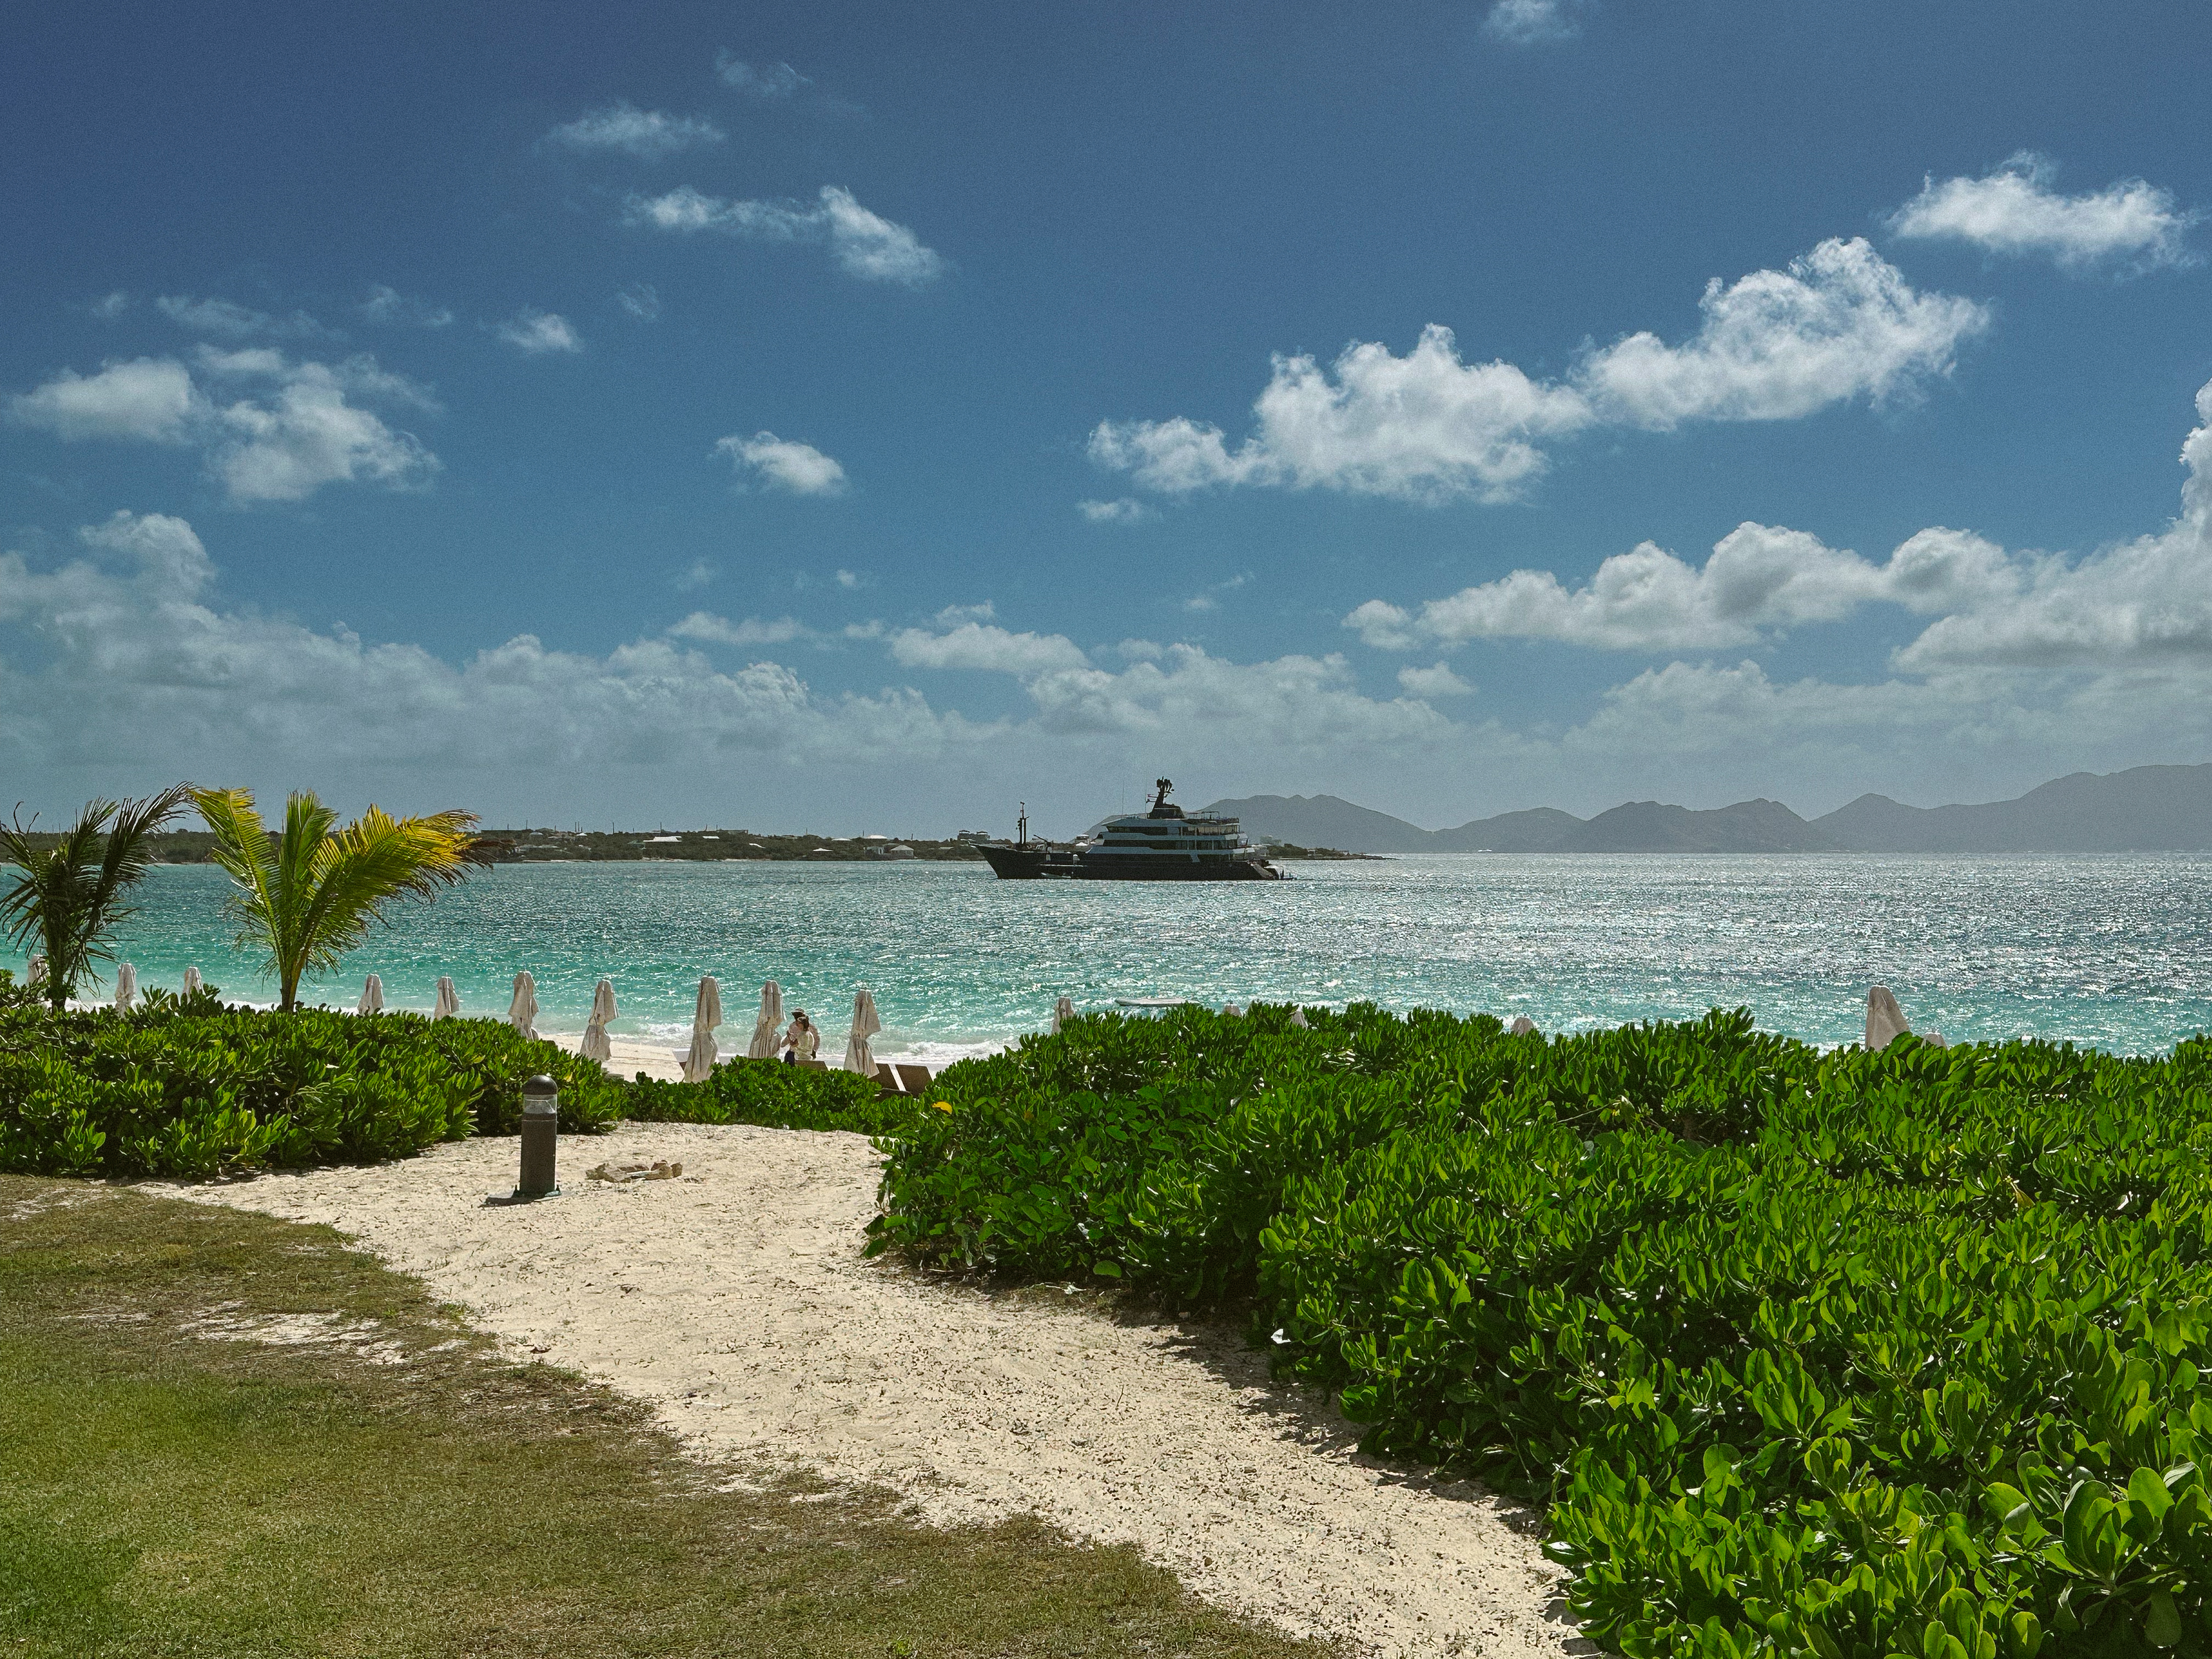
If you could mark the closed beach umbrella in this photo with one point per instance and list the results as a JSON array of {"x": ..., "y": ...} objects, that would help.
[
  {"x": 700, "y": 1061},
  {"x": 1885, "y": 1019},
  {"x": 769, "y": 1025},
  {"x": 522, "y": 1012},
  {"x": 1522, "y": 1026},
  {"x": 1299, "y": 1017},
  {"x": 865, "y": 1026},
  {"x": 595, "y": 1045},
  {"x": 449, "y": 1000},
  {"x": 193, "y": 986},
  {"x": 1062, "y": 1011},
  {"x": 34, "y": 971},
  {"x": 126, "y": 988},
  {"x": 1231, "y": 1011},
  {"x": 372, "y": 997}
]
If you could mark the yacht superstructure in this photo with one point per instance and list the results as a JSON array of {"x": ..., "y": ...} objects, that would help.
[{"x": 1164, "y": 844}]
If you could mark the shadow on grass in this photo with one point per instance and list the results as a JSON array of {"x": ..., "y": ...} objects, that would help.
[{"x": 226, "y": 1434}]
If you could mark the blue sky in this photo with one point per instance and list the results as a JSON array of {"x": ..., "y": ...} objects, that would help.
[{"x": 861, "y": 416}]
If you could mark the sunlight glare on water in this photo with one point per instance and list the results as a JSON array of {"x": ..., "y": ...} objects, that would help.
[{"x": 2110, "y": 951}]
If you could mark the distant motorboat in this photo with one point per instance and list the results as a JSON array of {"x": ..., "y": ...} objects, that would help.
[{"x": 1164, "y": 844}]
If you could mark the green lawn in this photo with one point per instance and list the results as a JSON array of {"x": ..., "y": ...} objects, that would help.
[{"x": 163, "y": 1493}]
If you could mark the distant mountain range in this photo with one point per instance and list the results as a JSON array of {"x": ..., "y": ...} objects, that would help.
[{"x": 2145, "y": 809}]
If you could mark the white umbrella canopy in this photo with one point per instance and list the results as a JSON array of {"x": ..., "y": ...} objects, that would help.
[
  {"x": 448, "y": 1004},
  {"x": 193, "y": 984},
  {"x": 126, "y": 988},
  {"x": 858, "y": 1057},
  {"x": 770, "y": 1026},
  {"x": 522, "y": 1012},
  {"x": 1062, "y": 1011},
  {"x": 1299, "y": 1017},
  {"x": 595, "y": 1045},
  {"x": 700, "y": 1061},
  {"x": 372, "y": 997},
  {"x": 1231, "y": 1011},
  {"x": 1885, "y": 1019}
]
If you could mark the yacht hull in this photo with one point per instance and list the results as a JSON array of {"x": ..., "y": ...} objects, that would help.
[{"x": 1059, "y": 863}]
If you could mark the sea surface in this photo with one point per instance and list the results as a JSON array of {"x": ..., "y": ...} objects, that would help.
[{"x": 2111, "y": 951}]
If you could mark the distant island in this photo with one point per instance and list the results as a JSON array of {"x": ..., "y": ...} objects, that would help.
[{"x": 2144, "y": 810}]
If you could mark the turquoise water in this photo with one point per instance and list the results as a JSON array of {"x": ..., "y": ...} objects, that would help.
[{"x": 2113, "y": 951}]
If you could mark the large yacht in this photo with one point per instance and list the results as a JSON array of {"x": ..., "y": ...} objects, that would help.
[{"x": 1165, "y": 844}]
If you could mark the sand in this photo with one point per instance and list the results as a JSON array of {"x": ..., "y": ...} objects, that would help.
[{"x": 736, "y": 1301}]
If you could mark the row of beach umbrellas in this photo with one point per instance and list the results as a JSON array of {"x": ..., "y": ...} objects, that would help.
[{"x": 707, "y": 1015}]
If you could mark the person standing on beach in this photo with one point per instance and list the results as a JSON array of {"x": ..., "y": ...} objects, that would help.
[{"x": 802, "y": 1041}]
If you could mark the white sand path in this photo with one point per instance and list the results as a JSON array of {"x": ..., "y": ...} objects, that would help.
[{"x": 736, "y": 1301}]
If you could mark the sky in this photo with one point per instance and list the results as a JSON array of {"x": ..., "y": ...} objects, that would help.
[{"x": 867, "y": 417}]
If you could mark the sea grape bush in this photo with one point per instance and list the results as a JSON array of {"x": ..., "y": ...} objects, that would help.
[
  {"x": 1849, "y": 1355},
  {"x": 780, "y": 1096},
  {"x": 189, "y": 1087}
]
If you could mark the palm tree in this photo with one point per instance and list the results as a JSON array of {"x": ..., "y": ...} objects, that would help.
[
  {"x": 68, "y": 899},
  {"x": 310, "y": 897}
]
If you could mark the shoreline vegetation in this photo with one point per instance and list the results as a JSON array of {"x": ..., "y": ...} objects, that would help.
[{"x": 652, "y": 846}]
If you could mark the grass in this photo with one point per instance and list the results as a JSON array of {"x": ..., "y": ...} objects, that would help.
[{"x": 163, "y": 1492}]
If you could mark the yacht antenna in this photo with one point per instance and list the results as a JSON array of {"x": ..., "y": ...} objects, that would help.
[{"x": 1023, "y": 827}]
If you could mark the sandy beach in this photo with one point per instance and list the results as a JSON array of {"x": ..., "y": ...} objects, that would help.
[{"x": 735, "y": 1301}]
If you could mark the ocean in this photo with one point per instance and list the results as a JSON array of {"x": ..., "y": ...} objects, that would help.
[{"x": 2110, "y": 951}]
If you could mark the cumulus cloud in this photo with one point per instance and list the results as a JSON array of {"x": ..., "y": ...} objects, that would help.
[
  {"x": 2013, "y": 209},
  {"x": 770, "y": 82},
  {"x": 150, "y": 398},
  {"x": 1436, "y": 681},
  {"x": 1535, "y": 22},
  {"x": 1759, "y": 580},
  {"x": 783, "y": 464},
  {"x": 710, "y": 629},
  {"x": 141, "y": 667},
  {"x": 1126, "y": 509},
  {"x": 988, "y": 647},
  {"x": 229, "y": 320},
  {"x": 2138, "y": 605},
  {"x": 863, "y": 243},
  {"x": 294, "y": 429},
  {"x": 1837, "y": 325},
  {"x": 389, "y": 307},
  {"x": 645, "y": 134},
  {"x": 537, "y": 332},
  {"x": 641, "y": 300}
]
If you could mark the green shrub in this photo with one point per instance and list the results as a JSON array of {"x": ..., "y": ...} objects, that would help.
[
  {"x": 188, "y": 1087},
  {"x": 767, "y": 1092},
  {"x": 1847, "y": 1354}
]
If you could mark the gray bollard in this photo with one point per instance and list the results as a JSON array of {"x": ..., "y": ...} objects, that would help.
[{"x": 541, "y": 1135}]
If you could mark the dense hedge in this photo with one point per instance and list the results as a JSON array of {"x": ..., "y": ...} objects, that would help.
[
  {"x": 192, "y": 1088},
  {"x": 1847, "y": 1354}
]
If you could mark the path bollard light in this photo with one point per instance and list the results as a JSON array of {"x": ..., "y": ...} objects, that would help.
[{"x": 541, "y": 1134}]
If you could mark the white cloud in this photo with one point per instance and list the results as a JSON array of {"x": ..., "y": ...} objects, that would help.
[
  {"x": 848, "y": 579},
  {"x": 647, "y": 134},
  {"x": 1437, "y": 680},
  {"x": 641, "y": 300},
  {"x": 298, "y": 429},
  {"x": 2013, "y": 209},
  {"x": 699, "y": 572},
  {"x": 864, "y": 244},
  {"x": 109, "y": 307},
  {"x": 953, "y": 614},
  {"x": 233, "y": 321},
  {"x": 767, "y": 81},
  {"x": 1210, "y": 598},
  {"x": 784, "y": 464},
  {"x": 1535, "y": 22},
  {"x": 988, "y": 648},
  {"x": 141, "y": 669},
  {"x": 1839, "y": 324},
  {"x": 2137, "y": 606},
  {"x": 537, "y": 332},
  {"x": 390, "y": 306},
  {"x": 710, "y": 629},
  {"x": 1128, "y": 510},
  {"x": 1759, "y": 580},
  {"x": 151, "y": 398}
]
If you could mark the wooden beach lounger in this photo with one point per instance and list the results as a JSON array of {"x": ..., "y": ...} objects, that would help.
[
  {"x": 816, "y": 1065},
  {"x": 887, "y": 1080},
  {"x": 915, "y": 1077}
]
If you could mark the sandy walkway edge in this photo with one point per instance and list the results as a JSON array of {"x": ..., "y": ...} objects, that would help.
[{"x": 735, "y": 1301}]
